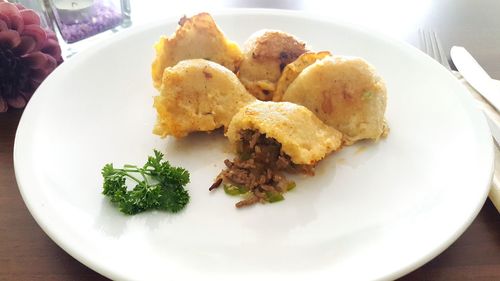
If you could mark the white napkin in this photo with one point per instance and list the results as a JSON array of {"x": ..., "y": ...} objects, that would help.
[{"x": 490, "y": 111}]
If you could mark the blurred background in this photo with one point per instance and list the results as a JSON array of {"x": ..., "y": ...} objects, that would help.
[
  {"x": 28, "y": 254},
  {"x": 471, "y": 24}
]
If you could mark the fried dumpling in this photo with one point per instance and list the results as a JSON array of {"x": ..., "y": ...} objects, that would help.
[
  {"x": 198, "y": 95},
  {"x": 271, "y": 139},
  {"x": 302, "y": 136},
  {"x": 293, "y": 69},
  {"x": 346, "y": 93},
  {"x": 197, "y": 37},
  {"x": 266, "y": 53}
]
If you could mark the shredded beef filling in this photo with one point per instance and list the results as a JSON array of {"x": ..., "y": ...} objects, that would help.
[{"x": 258, "y": 170}]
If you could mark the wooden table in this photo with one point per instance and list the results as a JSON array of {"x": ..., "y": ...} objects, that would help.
[{"x": 26, "y": 253}]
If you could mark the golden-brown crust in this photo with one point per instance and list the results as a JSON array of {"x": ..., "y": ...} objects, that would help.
[
  {"x": 196, "y": 37},
  {"x": 302, "y": 136},
  {"x": 293, "y": 69},
  {"x": 276, "y": 45},
  {"x": 197, "y": 95},
  {"x": 346, "y": 93},
  {"x": 266, "y": 53}
]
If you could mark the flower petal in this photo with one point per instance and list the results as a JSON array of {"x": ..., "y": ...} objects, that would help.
[
  {"x": 20, "y": 6},
  {"x": 35, "y": 60},
  {"x": 37, "y": 32},
  {"x": 9, "y": 39},
  {"x": 39, "y": 74},
  {"x": 51, "y": 64},
  {"x": 51, "y": 47},
  {"x": 28, "y": 88},
  {"x": 26, "y": 46},
  {"x": 30, "y": 17},
  {"x": 12, "y": 12},
  {"x": 27, "y": 95},
  {"x": 3, "y": 25},
  {"x": 17, "y": 102},
  {"x": 5, "y": 19},
  {"x": 51, "y": 34}
]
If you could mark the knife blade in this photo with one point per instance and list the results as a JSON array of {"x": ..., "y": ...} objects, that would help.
[{"x": 475, "y": 75}]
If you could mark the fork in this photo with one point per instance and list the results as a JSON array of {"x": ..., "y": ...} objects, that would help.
[{"x": 430, "y": 44}]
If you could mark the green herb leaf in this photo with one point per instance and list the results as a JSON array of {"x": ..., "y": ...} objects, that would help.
[
  {"x": 232, "y": 189},
  {"x": 158, "y": 186}
]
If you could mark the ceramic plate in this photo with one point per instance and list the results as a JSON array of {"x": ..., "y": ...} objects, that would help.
[{"x": 373, "y": 211}]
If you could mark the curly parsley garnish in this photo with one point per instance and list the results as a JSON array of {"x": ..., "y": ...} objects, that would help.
[{"x": 159, "y": 186}]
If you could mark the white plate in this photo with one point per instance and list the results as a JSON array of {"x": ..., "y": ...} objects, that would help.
[{"x": 375, "y": 210}]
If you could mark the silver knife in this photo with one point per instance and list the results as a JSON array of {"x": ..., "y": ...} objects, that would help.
[{"x": 477, "y": 77}]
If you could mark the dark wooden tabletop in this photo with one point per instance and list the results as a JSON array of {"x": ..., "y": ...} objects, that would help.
[{"x": 26, "y": 252}]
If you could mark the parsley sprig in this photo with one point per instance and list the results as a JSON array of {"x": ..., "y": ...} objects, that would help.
[{"x": 159, "y": 186}]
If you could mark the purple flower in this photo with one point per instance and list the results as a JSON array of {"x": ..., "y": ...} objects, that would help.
[{"x": 28, "y": 53}]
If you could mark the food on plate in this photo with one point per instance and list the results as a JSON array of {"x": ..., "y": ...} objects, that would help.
[
  {"x": 345, "y": 93},
  {"x": 293, "y": 69},
  {"x": 284, "y": 110},
  {"x": 197, "y": 37},
  {"x": 271, "y": 138},
  {"x": 159, "y": 186},
  {"x": 197, "y": 95},
  {"x": 266, "y": 53}
]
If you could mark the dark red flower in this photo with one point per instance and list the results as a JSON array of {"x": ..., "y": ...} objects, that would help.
[{"x": 28, "y": 53}]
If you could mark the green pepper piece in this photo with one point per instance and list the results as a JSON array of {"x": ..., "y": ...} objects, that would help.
[
  {"x": 274, "y": 197},
  {"x": 243, "y": 189},
  {"x": 231, "y": 189},
  {"x": 291, "y": 185},
  {"x": 234, "y": 190}
]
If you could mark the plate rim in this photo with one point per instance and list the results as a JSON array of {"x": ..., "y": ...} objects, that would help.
[{"x": 41, "y": 221}]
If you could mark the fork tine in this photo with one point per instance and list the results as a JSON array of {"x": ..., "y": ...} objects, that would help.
[
  {"x": 431, "y": 45},
  {"x": 424, "y": 46},
  {"x": 426, "y": 43},
  {"x": 422, "y": 43},
  {"x": 442, "y": 56}
]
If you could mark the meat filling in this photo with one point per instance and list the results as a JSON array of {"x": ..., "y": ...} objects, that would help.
[{"x": 257, "y": 172}]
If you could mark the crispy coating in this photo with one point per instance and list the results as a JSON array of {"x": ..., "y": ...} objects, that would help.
[
  {"x": 197, "y": 95},
  {"x": 266, "y": 53},
  {"x": 346, "y": 93},
  {"x": 302, "y": 136},
  {"x": 293, "y": 69},
  {"x": 197, "y": 37}
]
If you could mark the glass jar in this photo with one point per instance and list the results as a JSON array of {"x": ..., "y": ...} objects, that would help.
[{"x": 81, "y": 19}]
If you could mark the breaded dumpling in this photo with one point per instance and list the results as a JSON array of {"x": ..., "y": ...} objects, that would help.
[
  {"x": 303, "y": 137},
  {"x": 346, "y": 93},
  {"x": 266, "y": 53},
  {"x": 198, "y": 95},
  {"x": 272, "y": 139},
  {"x": 197, "y": 37},
  {"x": 293, "y": 69}
]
